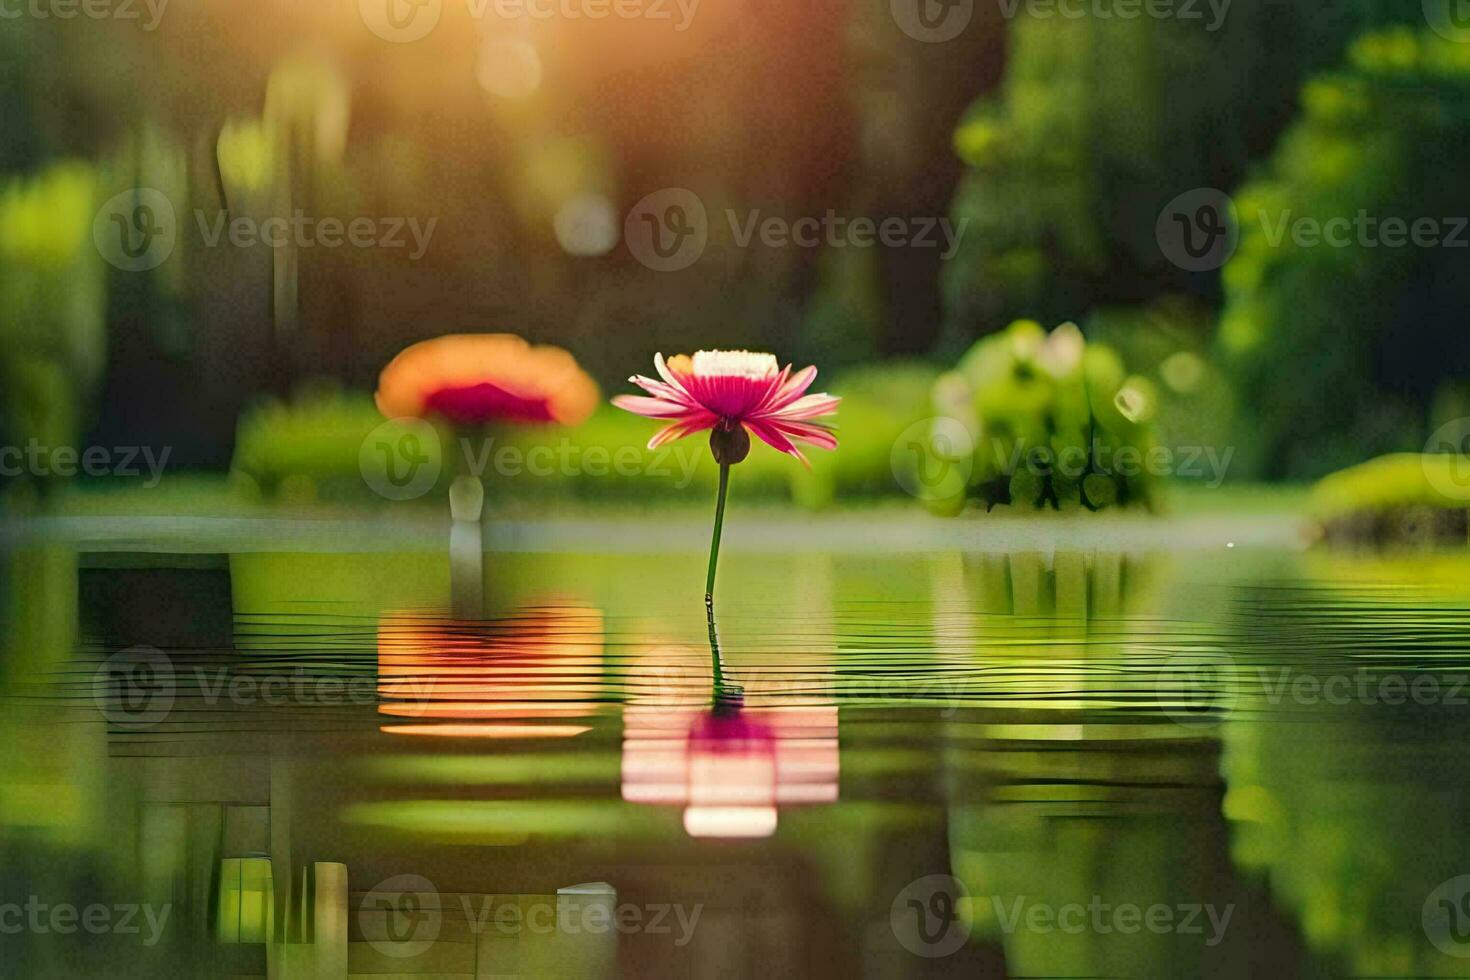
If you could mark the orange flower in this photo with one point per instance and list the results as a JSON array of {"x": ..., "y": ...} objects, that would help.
[{"x": 473, "y": 379}]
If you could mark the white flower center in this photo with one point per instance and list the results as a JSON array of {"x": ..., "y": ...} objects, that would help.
[{"x": 734, "y": 364}]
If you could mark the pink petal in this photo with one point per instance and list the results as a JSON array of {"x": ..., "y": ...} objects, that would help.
[
  {"x": 773, "y": 438},
  {"x": 817, "y": 435},
  {"x": 681, "y": 429},
  {"x": 729, "y": 397},
  {"x": 810, "y": 407},
  {"x": 793, "y": 389},
  {"x": 660, "y": 390},
  {"x": 673, "y": 379},
  {"x": 777, "y": 383},
  {"x": 654, "y": 408}
]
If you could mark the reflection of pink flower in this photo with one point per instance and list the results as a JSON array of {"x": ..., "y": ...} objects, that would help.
[
  {"x": 729, "y": 770},
  {"x": 730, "y": 389},
  {"x": 731, "y": 777}
]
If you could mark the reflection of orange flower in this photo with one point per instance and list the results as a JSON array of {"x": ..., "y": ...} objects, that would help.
[
  {"x": 521, "y": 677},
  {"x": 472, "y": 379}
]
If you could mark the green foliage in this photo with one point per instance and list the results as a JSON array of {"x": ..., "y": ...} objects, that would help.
[
  {"x": 1339, "y": 350},
  {"x": 1168, "y": 342},
  {"x": 1400, "y": 499},
  {"x": 308, "y": 449},
  {"x": 1101, "y": 121},
  {"x": 843, "y": 319},
  {"x": 52, "y": 300},
  {"x": 1056, "y": 422},
  {"x": 1399, "y": 480},
  {"x": 878, "y": 403}
]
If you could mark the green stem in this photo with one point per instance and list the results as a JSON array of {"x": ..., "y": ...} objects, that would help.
[
  {"x": 714, "y": 649},
  {"x": 714, "y": 548},
  {"x": 709, "y": 583}
]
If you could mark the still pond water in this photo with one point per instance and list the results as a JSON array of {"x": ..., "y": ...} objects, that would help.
[{"x": 1233, "y": 763}]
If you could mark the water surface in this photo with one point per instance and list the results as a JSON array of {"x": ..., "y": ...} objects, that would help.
[{"x": 1226, "y": 762}]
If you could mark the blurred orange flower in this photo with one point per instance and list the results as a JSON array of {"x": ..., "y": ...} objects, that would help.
[{"x": 473, "y": 379}]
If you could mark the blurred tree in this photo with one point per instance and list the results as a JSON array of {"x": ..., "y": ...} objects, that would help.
[
  {"x": 1341, "y": 342},
  {"x": 52, "y": 339},
  {"x": 906, "y": 96},
  {"x": 1101, "y": 121}
]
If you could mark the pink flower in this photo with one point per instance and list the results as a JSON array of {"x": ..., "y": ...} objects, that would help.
[{"x": 734, "y": 390}]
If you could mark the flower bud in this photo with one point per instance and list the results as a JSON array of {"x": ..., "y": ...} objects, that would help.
[{"x": 730, "y": 446}]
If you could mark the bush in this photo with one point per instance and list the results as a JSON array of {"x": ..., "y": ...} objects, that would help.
[
  {"x": 1404, "y": 498},
  {"x": 52, "y": 303},
  {"x": 1054, "y": 421},
  {"x": 308, "y": 449}
]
